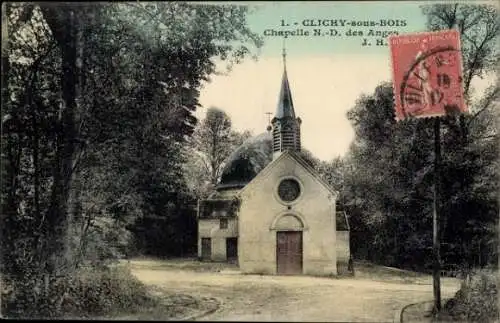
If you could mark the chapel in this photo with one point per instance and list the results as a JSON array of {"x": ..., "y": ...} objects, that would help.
[{"x": 272, "y": 213}]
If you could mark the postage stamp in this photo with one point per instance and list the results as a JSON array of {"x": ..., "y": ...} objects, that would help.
[{"x": 427, "y": 74}]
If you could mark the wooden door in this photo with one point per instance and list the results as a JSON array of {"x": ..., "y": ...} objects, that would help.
[
  {"x": 289, "y": 252},
  {"x": 206, "y": 248},
  {"x": 232, "y": 248}
]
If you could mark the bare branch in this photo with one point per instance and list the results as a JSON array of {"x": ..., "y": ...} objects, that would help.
[{"x": 486, "y": 103}]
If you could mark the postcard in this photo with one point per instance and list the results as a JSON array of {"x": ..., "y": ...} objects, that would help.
[{"x": 250, "y": 161}]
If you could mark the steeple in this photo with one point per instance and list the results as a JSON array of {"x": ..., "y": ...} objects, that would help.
[
  {"x": 285, "y": 102},
  {"x": 285, "y": 126}
]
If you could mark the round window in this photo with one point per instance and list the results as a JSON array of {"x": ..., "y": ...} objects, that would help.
[{"x": 289, "y": 190}]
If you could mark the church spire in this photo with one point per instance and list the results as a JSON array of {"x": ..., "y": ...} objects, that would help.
[
  {"x": 285, "y": 126},
  {"x": 285, "y": 102}
]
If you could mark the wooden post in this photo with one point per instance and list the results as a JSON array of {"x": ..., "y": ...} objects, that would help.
[{"x": 435, "y": 217}]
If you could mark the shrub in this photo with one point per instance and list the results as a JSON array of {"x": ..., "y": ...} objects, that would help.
[
  {"x": 90, "y": 292},
  {"x": 477, "y": 298},
  {"x": 24, "y": 295},
  {"x": 105, "y": 291}
]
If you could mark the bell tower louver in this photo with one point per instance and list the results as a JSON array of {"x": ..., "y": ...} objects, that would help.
[{"x": 285, "y": 126}]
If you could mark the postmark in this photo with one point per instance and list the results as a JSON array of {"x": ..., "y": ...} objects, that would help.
[{"x": 427, "y": 74}]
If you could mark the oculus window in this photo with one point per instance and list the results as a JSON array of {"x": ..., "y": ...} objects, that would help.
[{"x": 289, "y": 190}]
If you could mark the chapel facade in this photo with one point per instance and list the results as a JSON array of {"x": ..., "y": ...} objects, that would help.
[{"x": 271, "y": 212}]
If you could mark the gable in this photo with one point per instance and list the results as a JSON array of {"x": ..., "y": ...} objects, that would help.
[{"x": 297, "y": 160}]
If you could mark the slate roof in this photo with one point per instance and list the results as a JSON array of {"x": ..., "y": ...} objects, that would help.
[
  {"x": 250, "y": 159},
  {"x": 285, "y": 102},
  {"x": 247, "y": 161}
]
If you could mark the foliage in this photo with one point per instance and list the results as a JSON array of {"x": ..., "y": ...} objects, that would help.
[
  {"x": 331, "y": 171},
  {"x": 212, "y": 143},
  {"x": 478, "y": 26},
  {"x": 100, "y": 102},
  {"x": 172, "y": 233},
  {"x": 477, "y": 299},
  {"x": 389, "y": 190},
  {"x": 89, "y": 292},
  {"x": 389, "y": 172}
]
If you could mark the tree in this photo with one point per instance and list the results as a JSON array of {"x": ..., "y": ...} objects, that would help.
[
  {"x": 478, "y": 26},
  {"x": 212, "y": 143},
  {"x": 472, "y": 136},
  {"x": 102, "y": 101},
  {"x": 388, "y": 188}
]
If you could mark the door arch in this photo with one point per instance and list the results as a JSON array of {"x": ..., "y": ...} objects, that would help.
[
  {"x": 288, "y": 222},
  {"x": 289, "y": 244}
]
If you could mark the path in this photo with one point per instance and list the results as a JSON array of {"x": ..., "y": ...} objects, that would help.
[{"x": 297, "y": 298}]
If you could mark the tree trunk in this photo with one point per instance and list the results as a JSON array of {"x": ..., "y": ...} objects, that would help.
[
  {"x": 5, "y": 54},
  {"x": 64, "y": 24},
  {"x": 5, "y": 171}
]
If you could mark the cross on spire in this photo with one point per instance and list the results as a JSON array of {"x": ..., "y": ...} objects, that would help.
[
  {"x": 269, "y": 114},
  {"x": 284, "y": 54},
  {"x": 269, "y": 126}
]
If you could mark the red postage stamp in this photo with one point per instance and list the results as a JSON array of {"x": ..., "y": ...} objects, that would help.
[{"x": 427, "y": 74}]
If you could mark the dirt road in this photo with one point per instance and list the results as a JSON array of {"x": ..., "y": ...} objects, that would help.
[{"x": 297, "y": 298}]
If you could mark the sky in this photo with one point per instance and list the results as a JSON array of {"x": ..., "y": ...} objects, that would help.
[{"x": 327, "y": 73}]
